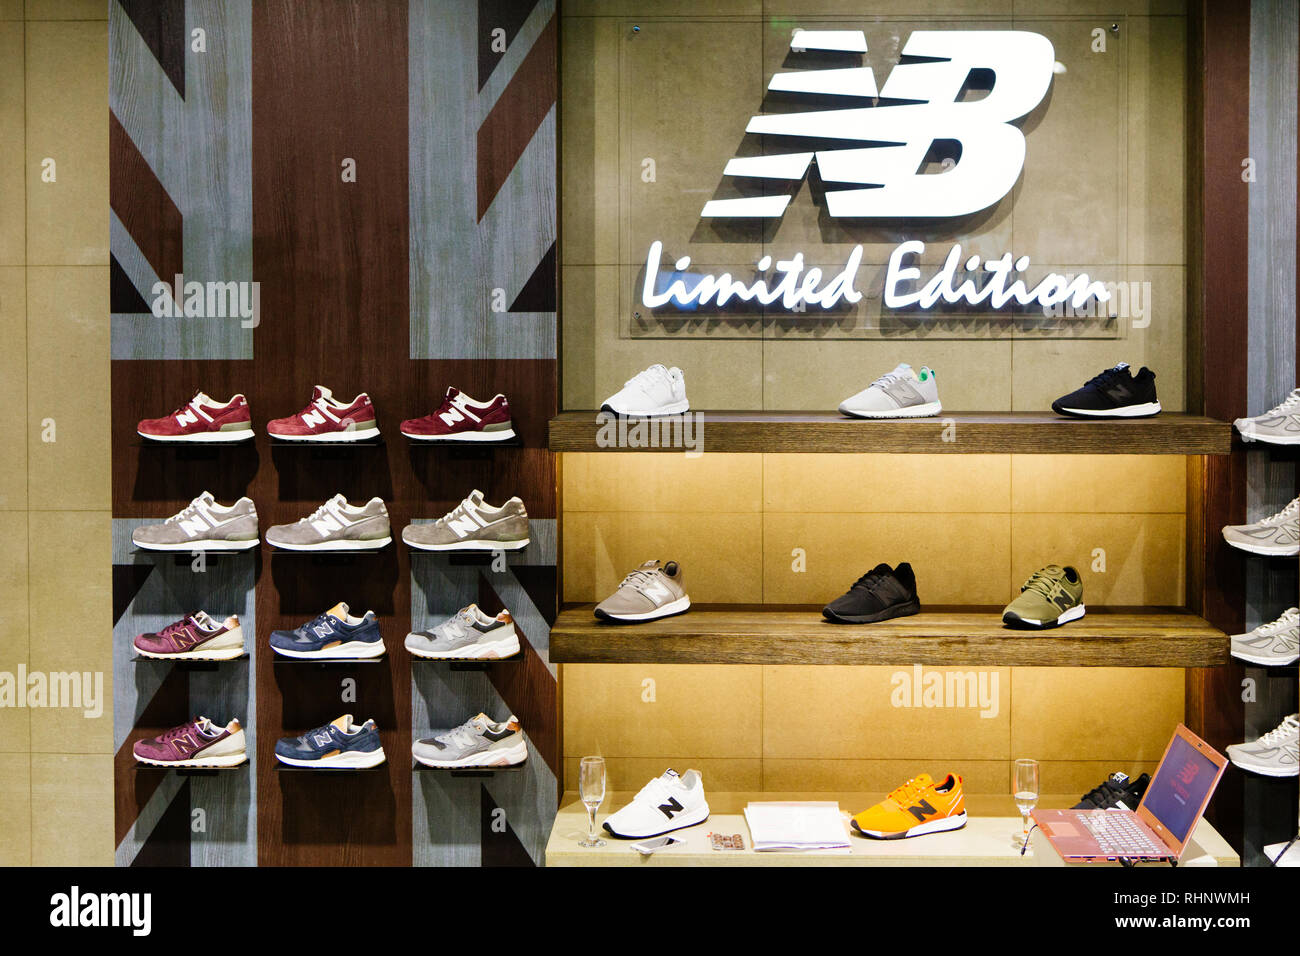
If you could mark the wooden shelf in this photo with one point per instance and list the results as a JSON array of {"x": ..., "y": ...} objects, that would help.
[
  {"x": 986, "y": 840},
  {"x": 775, "y": 634},
  {"x": 951, "y": 432}
]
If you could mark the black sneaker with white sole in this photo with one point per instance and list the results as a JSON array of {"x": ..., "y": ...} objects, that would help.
[
  {"x": 1114, "y": 792},
  {"x": 878, "y": 595},
  {"x": 1115, "y": 393}
]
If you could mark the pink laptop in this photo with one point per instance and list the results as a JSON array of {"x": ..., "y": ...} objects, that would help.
[{"x": 1163, "y": 822}]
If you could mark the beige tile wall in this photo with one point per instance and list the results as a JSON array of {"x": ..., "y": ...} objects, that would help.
[
  {"x": 973, "y": 526},
  {"x": 55, "y": 582}
]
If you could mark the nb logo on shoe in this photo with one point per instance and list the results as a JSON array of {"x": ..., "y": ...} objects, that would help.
[
  {"x": 313, "y": 419},
  {"x": 922, "y": 810},
  {"x": 917, "y": 107},
  {"x": 671, "y": 807}
]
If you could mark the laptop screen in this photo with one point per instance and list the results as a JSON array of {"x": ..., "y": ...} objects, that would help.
[{"x": 1179, "y": 788}]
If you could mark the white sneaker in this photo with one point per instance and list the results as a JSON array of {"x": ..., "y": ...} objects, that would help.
[
  {"x": 1284, "y": 854},
  {"x": 1276, "y": 643},
  {"x": 902, "y": 393},
  {"x": 1280, "y": 425},
  {"x": 1277, "y": 535},
  {"x": 656, "y": 391},
  {"x": 1276, "y": 754},
  {"x": 666, "y": 803}
]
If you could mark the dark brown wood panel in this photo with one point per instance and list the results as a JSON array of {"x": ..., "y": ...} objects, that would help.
[
  {"x": 1220, "y": 140},
  {"x": 771, "y": 634},
  {"x": 955, "y": 432},
  {"x": 331, "y": 257}
]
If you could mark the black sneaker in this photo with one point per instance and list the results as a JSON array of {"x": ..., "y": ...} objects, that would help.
[
  {"x": 1115, "y": 393},
  {"x": 878, "y": 595},
  {"x": 1115, "y": 791}
]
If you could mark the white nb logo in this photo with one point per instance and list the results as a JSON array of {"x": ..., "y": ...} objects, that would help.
[
  {"x": 313, "y": 419},
  {"x": 881, "y": 180}
]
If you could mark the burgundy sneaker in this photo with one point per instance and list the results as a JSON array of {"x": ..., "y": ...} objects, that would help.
[
  {"x": 461, "y": 418},
  {"x": 194, "y": 638},
  {"x": 328, "y": 419},
  {"x": 200, "y": 743},
  {"x": 202, "y": 420}
]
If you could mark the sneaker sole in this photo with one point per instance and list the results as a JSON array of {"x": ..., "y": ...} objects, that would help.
[
  {"x": 501, "y": 758},
  {"x": 680, "y": 606},
  {"x": 202, "y": 545},
  {"x": 1266, "y": 770},
  {"x": 496, "y": 650},
  {"x": 213, "y": 438},
  {"x": 1145, "y": 410},
  {"x": 1073, "y": 614},
  {"x": 1266, "y": 661},
  {"x": 373, "y": 544},
  {"x": 361, "y": 434},
  {"x": 220, "y": 654},
  {"x": 351, "y": 651},
  {"x": 473, "y": 544},
  {"x": 224, "y": 762},
  {"x": 692, "y": 819},
  {"x": 1271, "y": 551},
  {"x": 896, "y": 610},
  {"x": 1250, "y": 435},
  {"x": 676, "y": 408},
  {"x": 955, "y": 822},
  {"x": 912, "y": 411},
  {"x": 487, "y": 437},
  {"x": 350, "y": 760}
]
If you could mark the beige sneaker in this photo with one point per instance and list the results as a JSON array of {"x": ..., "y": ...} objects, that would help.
[
  {"x": 473, "y": 525},
  {"x": 652, "y": 591}
]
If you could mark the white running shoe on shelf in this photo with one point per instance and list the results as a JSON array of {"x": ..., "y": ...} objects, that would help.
[
  {"x": 902, "y": 393},
  {"x": 656, "y": 391},
  {"x": 1277, "y": 535},
  {"x": 1280, "y": 425},
  {"x": 1274, "y": 644},
  {"x": 1276, "y": 754},
  {"x": 669, "y": 802}
]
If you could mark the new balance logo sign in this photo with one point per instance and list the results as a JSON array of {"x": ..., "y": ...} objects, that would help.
[
  {"x": 671, "y": 807},
  {"x": 187, "y": 418},
  {"x": 917, "y": 106},
  {"x": 313, "y": 418}
]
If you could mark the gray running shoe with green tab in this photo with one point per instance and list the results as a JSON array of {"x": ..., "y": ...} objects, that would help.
[{"x": 1052, "y": 596}]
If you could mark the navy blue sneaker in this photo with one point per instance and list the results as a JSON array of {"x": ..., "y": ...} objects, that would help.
[
  {"x": 335, "y": 635},
  {"x": 339, "y": 745}
]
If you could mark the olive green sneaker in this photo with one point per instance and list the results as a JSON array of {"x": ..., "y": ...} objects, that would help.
[{"x": 1051, "y": 596}]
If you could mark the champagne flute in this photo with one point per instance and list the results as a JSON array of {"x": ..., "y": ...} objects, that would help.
[
  {"x": 591, "y": 788},
  {"x": 1024, "y": 786}
]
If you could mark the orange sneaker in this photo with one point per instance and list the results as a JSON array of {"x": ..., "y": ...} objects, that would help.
[{"x": 917, "y": 807}]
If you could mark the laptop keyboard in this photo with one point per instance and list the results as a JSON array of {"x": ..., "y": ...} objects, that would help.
[{"x": 1120, "y": 835}]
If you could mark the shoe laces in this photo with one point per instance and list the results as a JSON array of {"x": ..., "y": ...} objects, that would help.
[
  {"x": 648, "y": 378},
  {"x": 1102, "y": 378},
  {"x": 330, "y": 509},
  {"x": 465, "y": 735},
  {"x": 887, "y": 378},
  {"x": 869, "y": 581},
  {"x": 638, "y": 579},
  {"x": 189, "y": 511},
  {"x": 460, "y": 510},
  {"x": 1042, "y": 582},
  {"x": 1287, "y": 730},
  {"x": 1289, "y": 619},
  {"x": 174, "y": 627},
  {"x": 907, "y": 792},
  {"x": 1289, "y": 404},
  {"x": 175, "y": 732},
  {"x": 1289, "y": 513}
]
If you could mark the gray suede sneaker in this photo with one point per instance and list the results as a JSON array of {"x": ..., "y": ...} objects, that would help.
[
  {"x": 203, "y": 525},
  {"x": 468, "y": 635},
  {"x": 473, "y": 525},
  {"x": 651, "y": 591},
  {"x": 479, "y": 742},
  {"x": 335, "y": 526}
]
